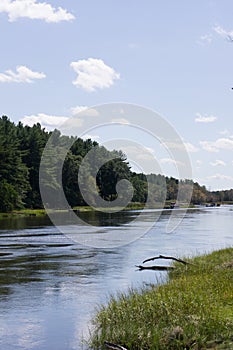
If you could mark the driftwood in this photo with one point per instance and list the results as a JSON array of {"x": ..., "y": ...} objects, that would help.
[
  {"x": 166, "y": 257},
  {"x": 155, "y": 267},
  {"x": 113, "y": 346},
  {"x": 159, "y": 267}
]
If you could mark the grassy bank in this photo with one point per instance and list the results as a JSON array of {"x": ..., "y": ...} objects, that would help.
[
  {"x": 39, "y": 212},
  {"x": 83, "y": 208},
  {"x": 23, "y": 212},
  {"x": 193, "y": 310}
]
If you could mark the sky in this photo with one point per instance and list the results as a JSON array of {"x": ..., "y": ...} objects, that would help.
[{"x": 172, "y": 57}]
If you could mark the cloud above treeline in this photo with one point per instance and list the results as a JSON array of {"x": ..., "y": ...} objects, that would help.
[
  {"x": 49, "y": 122},
  {"x": 93, "y": 74},
  {"x": 22, "y": 75},
  {"x": 33, "y": 9}
]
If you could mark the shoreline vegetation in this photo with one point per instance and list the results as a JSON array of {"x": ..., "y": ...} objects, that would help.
[
  {"x": 193, "y": 309},
  {"x": 42, "y": 212},
  {"x": 22, "y": 165},
  {"x": 85, "y": 208}
]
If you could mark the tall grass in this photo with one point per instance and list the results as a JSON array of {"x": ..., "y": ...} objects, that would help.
[{"x": 193, "y": 310}]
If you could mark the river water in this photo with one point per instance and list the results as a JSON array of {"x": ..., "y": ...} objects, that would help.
[{"x": 50, "y": 286}]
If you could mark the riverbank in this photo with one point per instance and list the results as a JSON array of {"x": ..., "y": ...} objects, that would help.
[
  {"x": 85, "y": 208},
  {"x": 41, "y": 212},
  {"x": 193, "y": 310},
  {"x": 77, "y": 209}
]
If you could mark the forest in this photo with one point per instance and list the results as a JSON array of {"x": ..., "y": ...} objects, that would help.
[{"x": 21, "y": 149}]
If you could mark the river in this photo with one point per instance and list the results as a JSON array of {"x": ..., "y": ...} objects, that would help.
[{"x": 50, "y": 286}]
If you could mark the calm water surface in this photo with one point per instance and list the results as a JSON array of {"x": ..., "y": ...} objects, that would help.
[{"x": 50, "y": 286}]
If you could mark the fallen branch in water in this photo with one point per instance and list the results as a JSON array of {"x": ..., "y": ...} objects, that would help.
[
  {"x": 155, "y": 267},
  {"x": 113, "y": 346},
  {"x": 166, "y": 257}
]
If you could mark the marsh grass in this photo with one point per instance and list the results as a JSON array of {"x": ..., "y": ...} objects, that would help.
[
  {"x": 23, "y": 212},
  {"x": 193, "y": 310}
]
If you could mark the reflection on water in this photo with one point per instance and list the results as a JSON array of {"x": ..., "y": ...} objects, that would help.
[
  {"x": 49, "y": 286},
  {"x": 21, "y": 222}
]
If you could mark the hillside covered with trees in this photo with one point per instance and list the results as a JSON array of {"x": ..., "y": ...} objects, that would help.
[{"x": 21, "y": 148}]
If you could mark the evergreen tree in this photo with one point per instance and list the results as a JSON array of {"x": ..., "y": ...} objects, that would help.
[
  {"x": 32, "y": 142},
  {"x": 13, "y": 172}
]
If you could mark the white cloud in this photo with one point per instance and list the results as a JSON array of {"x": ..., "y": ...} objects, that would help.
[
  {"x": 89, "y": 136},
  {"x": 93, "y": 74},
  {"x": 224, "y": 132},
  {"x": 84, "y": 111},
  {"x": 215, "y": 146},
  {"x": 170, "y": 161},
  {"x": 149, "y": 149},
  {"x": 218, "y": 162},
  {"x": 208, "y": 146},
  {"x": 204, "y": 118},
  {"x": 205, "y": 39},
  {"x": 167, "y": 161},
  {"x": 138, "y": 152},
  {"x": 78, "y": 109},
  {"x": 224, "y": 143},
  {"x": 198, "y": 164},
  {"x": 122, "y": 121},
  {"x": 145, "y": 156},
  {"x": 220, "y": 177},
  {"x": 49, "y": 122},
  {"x": 181, "y": 146},
  {"x": 224, "y": 33},
  {"x": 190, "y": 147},
  {"x": 34, "y": 10},
  {"x": 22, "y": 75},
  {"x": 174, "y": 145}
]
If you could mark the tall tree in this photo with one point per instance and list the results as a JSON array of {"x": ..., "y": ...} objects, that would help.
[
  {"x": 32, "y": 142},
  {"x": 13, "y": 172}
]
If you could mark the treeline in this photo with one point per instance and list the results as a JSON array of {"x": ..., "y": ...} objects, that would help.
[{"x": 21, "y": 148}]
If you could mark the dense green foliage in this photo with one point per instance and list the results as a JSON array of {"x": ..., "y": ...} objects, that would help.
[
  {"x": 21, "y": 148},
  {"x": 193, "y": 310}
]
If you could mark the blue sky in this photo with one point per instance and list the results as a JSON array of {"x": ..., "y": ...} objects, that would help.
[{"x": 174, "y": 57}]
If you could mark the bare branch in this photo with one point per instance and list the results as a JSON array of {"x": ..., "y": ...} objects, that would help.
[
  {"x": 155, "y": 267},
  {"x": 166, "y": 257}
]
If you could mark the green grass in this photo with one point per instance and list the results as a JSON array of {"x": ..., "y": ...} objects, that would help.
[
  {"x": 39, "y": 212},
  {"x": 23, "y": 212},
  {"x": 83, "y": 208},
  {"x": 193, "y": 310}
]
